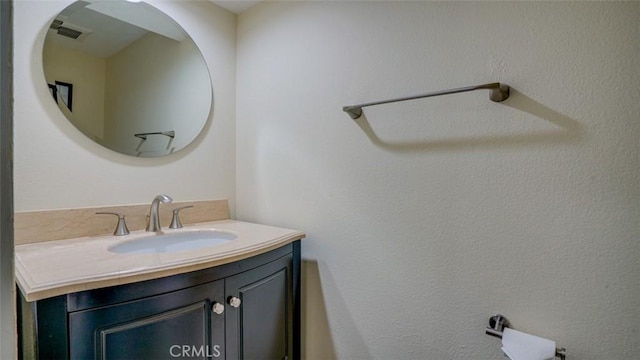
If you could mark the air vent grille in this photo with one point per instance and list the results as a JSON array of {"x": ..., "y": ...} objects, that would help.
[
  {"x": 65, "y": 31},
  {"x": 69, "y": 30},
  {"x": 56, "y": 24}
]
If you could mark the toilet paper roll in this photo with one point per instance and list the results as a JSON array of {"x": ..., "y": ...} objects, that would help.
[{"x": 522, "y": 346}]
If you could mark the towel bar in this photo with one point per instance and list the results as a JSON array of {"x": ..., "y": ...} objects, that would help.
[
  {"x": 143, "y": 136},
  {"x": 499, "y": 93}
]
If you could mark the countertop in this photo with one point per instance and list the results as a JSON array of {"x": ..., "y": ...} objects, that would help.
[{"x": 52, "y": 268}]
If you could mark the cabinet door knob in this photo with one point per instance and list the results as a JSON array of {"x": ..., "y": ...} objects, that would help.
[
  {"x": 217, "y": 308},
  {"x": 234, "y": 301}
]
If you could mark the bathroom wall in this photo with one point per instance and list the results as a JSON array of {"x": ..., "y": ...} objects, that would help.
[
  {"x": 58, "y": 167},
  {"x": 86, "y": 72},
  {"x": 164, "y": 65},
  {"x": 427, "y": 217}
]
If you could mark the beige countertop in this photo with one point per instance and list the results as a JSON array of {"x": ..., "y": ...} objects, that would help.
[{"x": 52, "y": 268}]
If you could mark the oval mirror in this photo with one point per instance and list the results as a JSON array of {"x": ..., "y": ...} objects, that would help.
[{"x": 127, "y": 76}]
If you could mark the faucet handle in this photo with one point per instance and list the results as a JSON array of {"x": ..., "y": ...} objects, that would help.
[
  {"x": 175, "y": 221},
  {"x": 121, "y": 228}
]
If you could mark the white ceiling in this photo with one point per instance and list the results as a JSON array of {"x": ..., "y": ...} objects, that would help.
[
  {"x": 235, "y": 6},
  {"x": 124, "y": 23}
]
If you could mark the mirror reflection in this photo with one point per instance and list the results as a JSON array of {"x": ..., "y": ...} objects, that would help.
[{"x": 127, "y": 76}]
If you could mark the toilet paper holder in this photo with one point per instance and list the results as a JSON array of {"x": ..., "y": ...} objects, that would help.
[{"x": 497, "y": 323}]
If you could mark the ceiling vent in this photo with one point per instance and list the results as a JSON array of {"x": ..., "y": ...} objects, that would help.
[
  {"x": 69, "y": 30},
  {"x": 56, "y": 24},
  {"x": 65, "y": 31}
]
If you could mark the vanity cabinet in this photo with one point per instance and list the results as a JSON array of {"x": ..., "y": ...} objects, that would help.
[
  {"x": 154, "y": 327},
  {"x": 248, "y": 309}
]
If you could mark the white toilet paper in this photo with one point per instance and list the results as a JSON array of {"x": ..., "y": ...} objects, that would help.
[{"x": 522, "y": 346}]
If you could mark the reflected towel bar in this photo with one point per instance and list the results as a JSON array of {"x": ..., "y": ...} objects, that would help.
[
  {"x": 498, "y": 323},
  {"x": 143, "y": 136},
  {"x": 499, "y": 93}
]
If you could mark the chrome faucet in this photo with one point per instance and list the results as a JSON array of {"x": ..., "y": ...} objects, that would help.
[{"x": 154, "y": 218}]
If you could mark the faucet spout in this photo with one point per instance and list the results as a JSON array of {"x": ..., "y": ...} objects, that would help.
[{"x": 154, "y": 218}]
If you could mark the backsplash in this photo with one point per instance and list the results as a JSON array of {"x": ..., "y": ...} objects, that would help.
[{"x": 38, "y": 226}]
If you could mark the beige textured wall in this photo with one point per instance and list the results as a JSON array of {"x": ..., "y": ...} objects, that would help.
[
  {"x": 166, "y": 89},
  {"x": 58, "y": 167},
  {"x": 87, "y": 74},
  {"x": 429, "y": 216}
]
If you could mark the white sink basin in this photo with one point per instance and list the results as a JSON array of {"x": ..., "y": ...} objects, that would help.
[{"x": 173, "y": 242}]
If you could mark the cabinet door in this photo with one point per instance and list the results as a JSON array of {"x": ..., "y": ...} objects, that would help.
[
  {"x": 259, "y": 326},
  {"x": 167, "y": 326}
]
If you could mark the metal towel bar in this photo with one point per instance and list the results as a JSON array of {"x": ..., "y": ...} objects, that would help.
[
  {"x": 499, "y": 93},
  {"x": 143, "y": 136},
  {"x": 498, "y": 323}
]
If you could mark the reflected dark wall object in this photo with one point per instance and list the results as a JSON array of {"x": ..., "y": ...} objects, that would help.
[{"x": 64, "y": 91}]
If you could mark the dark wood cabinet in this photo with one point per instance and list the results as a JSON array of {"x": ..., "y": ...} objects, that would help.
[
  {"x": 258, "y": 327},
  {"x": 248, "y": 309},
  {"x": 123, "y": 330}
]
